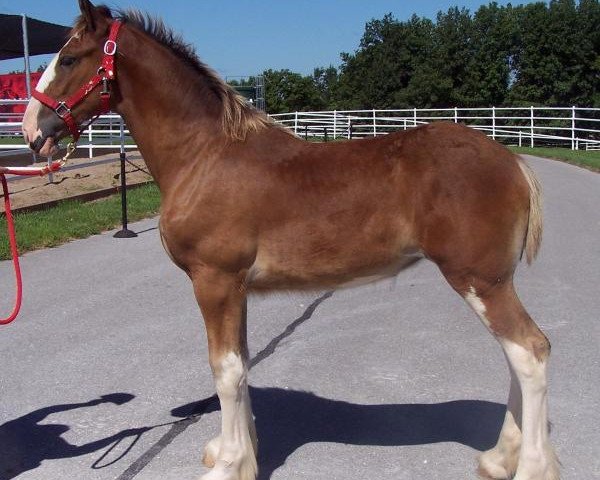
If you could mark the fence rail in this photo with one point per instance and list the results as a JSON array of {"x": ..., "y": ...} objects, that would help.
[
  {"x": 102, "y": 135},
  {"x": 574, "y": 127}
]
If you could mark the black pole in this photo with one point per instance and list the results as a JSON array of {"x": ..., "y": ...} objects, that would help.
[
  {"x": 124, "y": 232},
  {"x": 325, "y": 133},
  {"x": 305, "y": 132},
  {"x": 350, "y": 128}
]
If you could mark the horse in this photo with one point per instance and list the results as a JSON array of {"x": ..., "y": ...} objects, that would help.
[{"x": 246, "y": 207}]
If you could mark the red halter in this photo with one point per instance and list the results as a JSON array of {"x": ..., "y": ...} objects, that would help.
[{"x": 106, "y": 73}]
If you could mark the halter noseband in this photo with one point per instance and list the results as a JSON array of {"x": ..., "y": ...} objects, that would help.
[{"x": 106, "y": 73}]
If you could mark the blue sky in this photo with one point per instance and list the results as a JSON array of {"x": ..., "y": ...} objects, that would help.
[{"x": 238, "y": 37}]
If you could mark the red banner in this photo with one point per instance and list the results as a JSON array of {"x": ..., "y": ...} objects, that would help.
[{"x": 13, "y": 86}]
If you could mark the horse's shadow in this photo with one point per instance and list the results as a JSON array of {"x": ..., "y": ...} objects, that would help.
[
  {"x": 25, "y": 442},
  {"x": 285, "y": 420},
  {"x": 288, "y": 419}
]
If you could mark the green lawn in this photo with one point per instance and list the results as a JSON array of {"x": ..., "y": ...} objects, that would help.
[
  {"x": 587, "y": 159},
  {"x": 73, "y": 219}
]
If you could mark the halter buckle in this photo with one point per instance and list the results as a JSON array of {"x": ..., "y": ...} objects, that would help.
[
  {"x": 110, "y": 47},
  {"x": 62, "y": 110}
]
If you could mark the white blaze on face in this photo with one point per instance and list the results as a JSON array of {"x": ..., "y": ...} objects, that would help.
[{"x": 31, "y": 129}]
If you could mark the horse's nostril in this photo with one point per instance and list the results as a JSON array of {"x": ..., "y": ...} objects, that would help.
[{"x": 37, "y": 144}]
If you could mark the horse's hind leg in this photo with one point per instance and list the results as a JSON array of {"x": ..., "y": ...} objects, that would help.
[
  {"x": 501, "y": 461},
  {"x": 523, "y": 447},
  {"x": 222, "y": 299}
]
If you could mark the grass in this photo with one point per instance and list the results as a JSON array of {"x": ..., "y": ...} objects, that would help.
[
  {"x": 582, "y": 158},
  {"x": 73, "y": 219}
]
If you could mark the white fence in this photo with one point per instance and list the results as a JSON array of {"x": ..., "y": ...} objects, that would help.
[
  {"x": 577, "y": 128},
  {"x": 572, "y": 127},
  {"x": 103, "y": 135}
]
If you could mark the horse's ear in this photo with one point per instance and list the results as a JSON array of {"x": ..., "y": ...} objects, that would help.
[
  {"x": 92, "y": 15},
  {"x": 87, "y": 12}
]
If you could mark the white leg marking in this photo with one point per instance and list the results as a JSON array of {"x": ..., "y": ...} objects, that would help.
[
  {"x": 502, "y": 460},
  {"x": 236, "y": 458},
  {"x": 537, "y": 460},
  {"x": 477, "y": 305}
]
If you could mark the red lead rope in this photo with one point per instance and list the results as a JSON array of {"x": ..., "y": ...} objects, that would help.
[
  {"x": 15, "y": 254},
  {"x": 12, "y": 236},
  {"x": 106, "y": 74}
]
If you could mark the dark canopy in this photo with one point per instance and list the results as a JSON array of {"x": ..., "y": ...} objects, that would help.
[{"x": 43, "y": 37}]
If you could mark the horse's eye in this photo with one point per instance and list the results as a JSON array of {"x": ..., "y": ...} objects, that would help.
[{"x": 67, "y": 61}]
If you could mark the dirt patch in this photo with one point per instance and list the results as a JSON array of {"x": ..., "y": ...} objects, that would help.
[{"x": 79, "y": 176}]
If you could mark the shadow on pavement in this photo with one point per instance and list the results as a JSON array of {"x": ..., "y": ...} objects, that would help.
[
  {"x": 25, "y": 443},
  {"x": 287, "y": 419}
]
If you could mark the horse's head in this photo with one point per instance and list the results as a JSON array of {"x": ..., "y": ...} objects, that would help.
[{"x": 69, "y": 91}]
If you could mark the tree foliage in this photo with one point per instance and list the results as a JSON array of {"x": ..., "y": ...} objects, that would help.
[{"x": 534, "y": 54}]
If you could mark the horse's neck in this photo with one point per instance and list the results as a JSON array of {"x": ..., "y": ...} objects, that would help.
[{"x": 164, "y": 110}]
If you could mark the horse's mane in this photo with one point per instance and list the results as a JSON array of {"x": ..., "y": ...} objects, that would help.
[{"x": 238, "y": 117}]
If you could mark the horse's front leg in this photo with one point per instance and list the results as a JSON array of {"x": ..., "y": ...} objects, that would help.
[{"x": 222, "y": 299}]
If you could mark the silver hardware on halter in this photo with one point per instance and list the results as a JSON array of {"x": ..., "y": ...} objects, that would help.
[
  {"x": 110, "y": 47},
  {"x": 62, "y": 110}
]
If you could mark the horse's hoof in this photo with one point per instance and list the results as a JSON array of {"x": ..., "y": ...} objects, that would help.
[
  {"x": 211, "y": 452},
  {"x": 495, "y": 466}
]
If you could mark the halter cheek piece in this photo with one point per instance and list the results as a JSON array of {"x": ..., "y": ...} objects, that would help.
[{"x": 106, "y": 73}]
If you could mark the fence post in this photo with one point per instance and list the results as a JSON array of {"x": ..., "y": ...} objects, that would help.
[
  {"x": 124, "y": 232},
  {"x": 50, "y": 175},
  {"x": 334, "y": 123},
  {"x": 573, "y": 128},
  {"x": 415, "y": 116},
  {"x": 494, "y": 123},
  {"x": 349, "y": 129},
  {"x": 296, "y": 123},
  {"x": 455, "y": 115},
  {"x": 520, "y": 138},
  {"x": 531, "y": 126},
  {"x": 374, "y": 124},
  {"x": 90, "y": 140}
]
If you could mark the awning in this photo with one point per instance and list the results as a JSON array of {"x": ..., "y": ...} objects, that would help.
[{"x": 43, "y": 37}]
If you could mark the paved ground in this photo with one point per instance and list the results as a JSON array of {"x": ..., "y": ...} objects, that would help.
[{"x": 104, "y": 375}]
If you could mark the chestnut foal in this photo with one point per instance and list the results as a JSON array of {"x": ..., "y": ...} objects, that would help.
[{"x": 246, "y": 206}]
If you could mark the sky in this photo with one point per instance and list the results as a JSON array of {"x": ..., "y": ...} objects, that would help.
[{"x": 245, "y": 37}]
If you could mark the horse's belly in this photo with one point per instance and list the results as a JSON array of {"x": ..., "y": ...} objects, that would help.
[
  {"x": 405, "y": 262},
  {"x": 267, "y": 274}
]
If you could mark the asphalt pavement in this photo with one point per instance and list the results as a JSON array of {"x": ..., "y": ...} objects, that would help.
[{"x": 105, "y": 375}]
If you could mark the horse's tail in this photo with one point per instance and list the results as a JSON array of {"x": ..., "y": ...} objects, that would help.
[{"x": 534, "y": 228}]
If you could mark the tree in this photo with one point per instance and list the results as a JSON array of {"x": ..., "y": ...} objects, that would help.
[
  {"x": 536, "y": 54},
  {"x": 494, "y": 35},
  {"x": 390, "y": 52},
  {"x": 286, "y": 91},
  {"x": 440, "y": 76},
  {"x": 325, "y": 81},
  {"x": 555, "y": 58}
]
